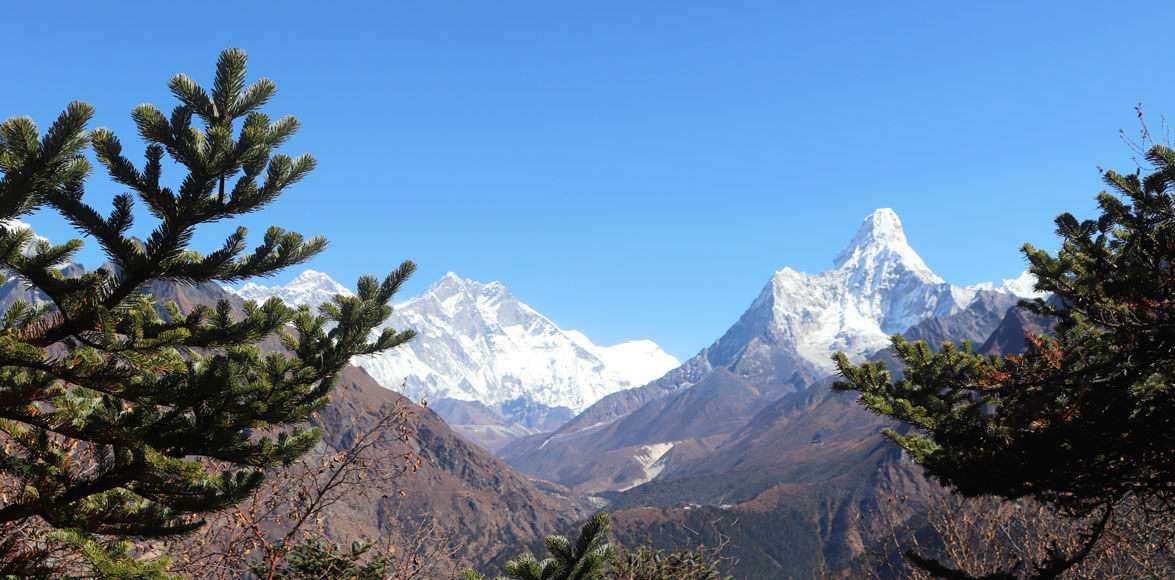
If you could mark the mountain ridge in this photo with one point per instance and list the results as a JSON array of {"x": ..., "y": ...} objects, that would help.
[
  {"x": 478, "y": 342},
  {"x": 782, "y": 344}
]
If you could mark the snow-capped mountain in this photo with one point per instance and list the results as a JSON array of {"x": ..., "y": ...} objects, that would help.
[
  {"x": 16, "y": 288},
  {"x": 29, "y": 249},
  {"x": 878, "y": 286},
  {"x": 1022, "y": 286},
  {"x": 639, "y": 361},
  {"x": 477, "y": 342},
  {"x": 781, "y": 345},
  {"x": 311, "y": 288}
]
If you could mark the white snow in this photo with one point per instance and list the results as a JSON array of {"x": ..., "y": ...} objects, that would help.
[
  {"x": 878, "y": 286},
  {"x": 1023, "y": 286},
  {"x": 476, "y": 341},
  {"x": 30, "y": 248},
  {"x": 310, "y": 288},
  {"x": 653, "y": 460},
  {"x": 640, "y": 361}
]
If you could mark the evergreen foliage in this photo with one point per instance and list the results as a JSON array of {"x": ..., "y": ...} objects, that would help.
[
  {"x": 585, "y": 559},
  {"x": 112, "y": 560},
  {"x": 122, "y": 416},
  {"x": 1082, "y": 420}
]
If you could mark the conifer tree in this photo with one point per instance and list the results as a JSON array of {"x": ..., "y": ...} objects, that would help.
[
  {"x": 1084, "y": 420},
  {"x": 124, "y": 417},
  {"x": 586, "y": 559}
]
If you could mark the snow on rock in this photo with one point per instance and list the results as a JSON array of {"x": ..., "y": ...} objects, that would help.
[
  {"x": 1022, "y": 286},
  {"x": 477, "y": 342},
  {"x": 653, "y": 458},
  {"x": 30, "y": 248},
  {"x": 640, "y": 361},
  {"x": 311, "y": 288},
  {"x": 16, "y": 288},
  {"x": 878, "y": 286}
]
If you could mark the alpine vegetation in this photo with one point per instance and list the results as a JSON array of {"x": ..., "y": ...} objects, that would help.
[{"x": 122, "y": 416}]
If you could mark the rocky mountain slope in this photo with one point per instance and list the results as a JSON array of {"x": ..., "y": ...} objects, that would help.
[
  {"x": 483, "y": 508},
  {"x": 807, "y": 486}
]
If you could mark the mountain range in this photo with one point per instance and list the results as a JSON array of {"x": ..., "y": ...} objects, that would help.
[
  {"x": 782, "y": 344},
  {"x": 744, "y": 441},
  {"x": 490, "y": 364}
]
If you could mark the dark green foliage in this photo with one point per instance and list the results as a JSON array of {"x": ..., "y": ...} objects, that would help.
[
  {"x": 318, "y": 558},
  {"x": 586, "y": 559},
  {"x": 125, "y": 417},
  {"x": 112, "y": 560},
  {"x": 1084, "y": 419},
  {"x": 592, "y": 558}
]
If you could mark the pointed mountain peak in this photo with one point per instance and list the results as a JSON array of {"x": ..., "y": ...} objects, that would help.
[
  {"x": 881, "y": 229},
  {"x": 311, "y": 288},
  {"x": 881, "y": 242},
  {"x": 884, "y": 226},
  {"x": 1022, "y": 286},
  {"x": 451, "y": 284},
  {"x": 313, "y": 279}
]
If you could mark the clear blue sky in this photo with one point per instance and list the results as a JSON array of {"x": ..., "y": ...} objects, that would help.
[{"x": 638, "y": 169}]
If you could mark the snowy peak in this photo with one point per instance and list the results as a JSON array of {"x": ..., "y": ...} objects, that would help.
[
  {"x": 879, "y": 286},
  {"x": 880, "y": 248},
  {"x": 1022, "y": 286},
  {"x": 881, "y": 228},
  {"x": 315, "y": 281},
  {"x": 30, "y": 248},
  {"x": 638, "y": 361},
  {"x": 311, "y": 288},
  {"x": 453, "y": 287},
  {"x": 477, "y": 342}
]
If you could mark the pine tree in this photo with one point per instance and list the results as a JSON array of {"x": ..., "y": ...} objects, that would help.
[
  {"x": 586, "y": 559},
  {"x": 124, "y": 417},
  {"x": 1084, "y": 420}
]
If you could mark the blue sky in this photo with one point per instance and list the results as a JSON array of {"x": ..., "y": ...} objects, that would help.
[{"x": 638, "y": 169}]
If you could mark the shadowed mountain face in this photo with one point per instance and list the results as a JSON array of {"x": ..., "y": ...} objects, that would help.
[
  {"x": 487, "y": 510},
  {"x": 1011, "y": 335}
]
